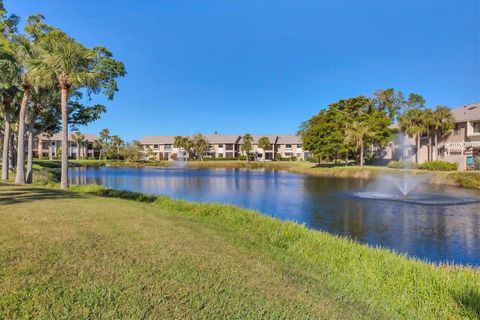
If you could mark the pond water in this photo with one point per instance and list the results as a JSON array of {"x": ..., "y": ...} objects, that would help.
[{"x": 436, "y": 231}]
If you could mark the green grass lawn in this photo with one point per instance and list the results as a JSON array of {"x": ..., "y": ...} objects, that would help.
[{"x": 99, "y": 255}]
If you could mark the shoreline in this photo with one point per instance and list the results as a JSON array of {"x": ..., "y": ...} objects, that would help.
[{"x": 463, "y": 179}]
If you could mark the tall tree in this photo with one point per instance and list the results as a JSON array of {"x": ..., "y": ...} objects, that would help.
[
  {"x": 9, "y": 81},
  {"x": 415, "y": 101},
  {"x": 104, "y": 139},
  {"x": 389, "y": 101},
  {"x": 26, "y": 55},
  {"x": 247, "y": 147},
  {"x": 183, "y": 143},
  {"x": 357, "y": 133},
  {"x": 79, "y": 140},
  {"x": 265, "y": 144},
  {"x": 412, "y": 124},
  {"x": 116, "y": 144},
  {"x": 443, "y": 123},
  {"x": 71, "y": 66},
  {"x": 200, "y": 145}
]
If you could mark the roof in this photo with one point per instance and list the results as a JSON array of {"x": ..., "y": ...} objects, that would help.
[
  {"x": 58, "y": 137},
  {"x": 158, "y": 140},
  {"x": 467, "y": 113},
  {"x": 222, "y": 138},
  {"x": 256, "y": 137},
  {"x": 289, "y": 139}
]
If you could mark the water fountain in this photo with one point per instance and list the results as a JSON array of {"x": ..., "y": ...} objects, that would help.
[
  {"x": 409, "y": 188},
  {"x": 180, "y": 161}
]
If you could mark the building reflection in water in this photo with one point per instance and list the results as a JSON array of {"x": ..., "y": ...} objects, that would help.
[{"x": 435, "y": 233}]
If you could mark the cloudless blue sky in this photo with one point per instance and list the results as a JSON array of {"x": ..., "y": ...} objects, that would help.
[{"x": 265, "y": 66}]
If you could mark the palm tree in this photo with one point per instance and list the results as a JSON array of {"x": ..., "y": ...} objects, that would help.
[
  {"x": 442, "y": 123},
  {"x": 116, "y": 143},
  {"x": 105, "y": 141},
  {"x": 247, "y": 145},
  {"x": 264, "y": 143},
  {"x": 356, "y": 133},
  {"x": 411, "y": 123},
  {"x": 26, "y": 54},
  {"x": 183, "y": 143},
  {"x": 79, "y": 139},
  {"x": 427, "y": 122},
  {"x": 97, "y": 144},
  {"x": 71, "y": 66},
  {"x": 199, "y": 144}
]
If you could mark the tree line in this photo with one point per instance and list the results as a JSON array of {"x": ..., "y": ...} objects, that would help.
[
  {"x": 45, "y": 75},
  {"x": 360, "y": 127}
]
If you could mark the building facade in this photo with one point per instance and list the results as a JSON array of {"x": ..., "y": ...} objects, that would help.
[
  {"x": 227, "y": 146},
  {"x": 461, "y": 145},
  {"x": 49, "y": 146}
]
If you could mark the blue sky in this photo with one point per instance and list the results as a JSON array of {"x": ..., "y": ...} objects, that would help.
[{"x": 265, "y": 66}]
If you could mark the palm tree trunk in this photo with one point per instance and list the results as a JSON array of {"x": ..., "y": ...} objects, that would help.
[
  {"x": 6, "y": 141},
  {"x": 29, "y": 175},
  {"x": 417, "y": 157},
  {"x": 436, "y": 146},
  {"x": 20, "y": 176},
  {"x": 78, "y": 150},
  {"x": 361, "y": 155},
  {"x": 430, "y": 148},
  {"x": 64, "y": 171}
]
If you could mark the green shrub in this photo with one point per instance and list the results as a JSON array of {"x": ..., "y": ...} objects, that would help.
[
  {"x": 243, "y": 158},
  {"x": 438, "y": 166},
  {"x": 402, "y": 164}
]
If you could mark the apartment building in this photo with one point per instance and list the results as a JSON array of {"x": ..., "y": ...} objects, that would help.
[
  {"x": 160, "y": 148},
  {"x": 227, "y": 146},
  {"x": 222, "y": 145},
  {"x": 461, "y": 145},
  {"x": 48, "y": 146}
]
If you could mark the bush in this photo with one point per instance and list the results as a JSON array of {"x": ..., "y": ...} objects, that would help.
[
  {"x": 243, "y": 158},
  {"x": 402, "y": 165},
  {"x": 438, "y": 166}
]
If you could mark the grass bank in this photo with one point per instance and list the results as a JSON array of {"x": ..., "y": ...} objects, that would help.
[{"x": 101, "y": 255}]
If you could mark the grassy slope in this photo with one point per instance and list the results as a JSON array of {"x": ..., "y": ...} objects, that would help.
[{"x": 89, "y": 256}]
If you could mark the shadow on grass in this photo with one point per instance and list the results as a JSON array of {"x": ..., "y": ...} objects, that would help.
[
  {"x": 15, "y": 195},
  {"x": 470, "y": 302}
]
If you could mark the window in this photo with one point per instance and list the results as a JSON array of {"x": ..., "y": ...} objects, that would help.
[
  {"x": 155, "y": 146},
  {"x": 288, "y": 146},
  {"x": 220, "y": 145},
  {"x": 229, "y": 155},
  {"x": 168, "y": 147},
  {"x": 229, "y": 146},
  {"x": 476, "y": 127},
  {"x": 288, "y": 154},
  {"x": 299, "y": 145},
  {"x": 456, "y": 130},
  {"x": 220, "y": 155}
]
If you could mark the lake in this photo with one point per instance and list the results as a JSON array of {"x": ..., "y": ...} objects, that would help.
[{"x": 436, "y": 233}]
